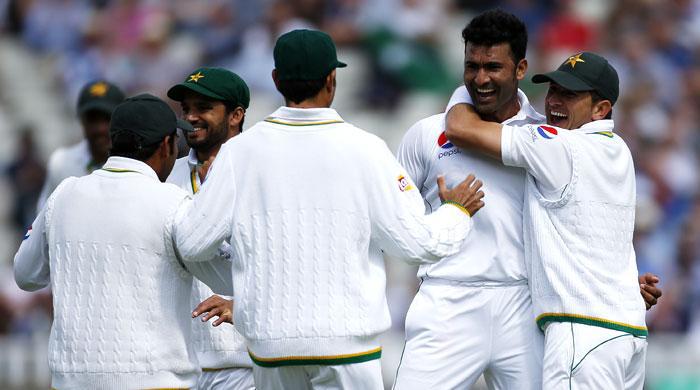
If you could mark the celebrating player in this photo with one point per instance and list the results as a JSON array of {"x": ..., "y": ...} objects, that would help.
[
  {"x": 213, "y": 101},
  {"x": 485, "y": 285},
  {"x": 579, "y": 219},
  {"x": 308, "y": 202},
  {"x": 104, "y": 243}
]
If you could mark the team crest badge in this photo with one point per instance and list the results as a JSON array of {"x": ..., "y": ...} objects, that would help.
[
  {"x": 443, "y": 142},
  {"x": 547, "y": 132},
  {"x": 98, "y": 89},
  {"x": 404, "y": 184}
]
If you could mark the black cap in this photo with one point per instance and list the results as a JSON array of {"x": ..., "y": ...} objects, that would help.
[
  {"x": 100, "y": 96},
  {"x": 146, "y": 116},
  {"x": 305, "y": 55},
  {"x": 216, "y": 83},
  {"x": 585, "y": 72}
]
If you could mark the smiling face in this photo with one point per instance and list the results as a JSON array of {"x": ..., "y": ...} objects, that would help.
[
  {"x": 209, "y": 119},
  {"x": 491, "y": 77},
  {"x": 568, "y": 109}
]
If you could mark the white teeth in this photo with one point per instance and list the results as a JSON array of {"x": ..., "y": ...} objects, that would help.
[
  {"x": 481, "y": 90},
  {"x": 558, "y": 114}
]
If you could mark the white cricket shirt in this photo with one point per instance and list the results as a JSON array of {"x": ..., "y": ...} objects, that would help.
[
  {"x": 74, "y": 160},
  {"x": 579, "y": 221},
  {"x": 494, "y": 251},
  {"x": 308, "y": 203},
  {"x": 221, "y": 346}
]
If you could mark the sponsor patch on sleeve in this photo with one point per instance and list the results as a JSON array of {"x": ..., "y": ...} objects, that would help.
[
  {"x": 547, "y": 132},
  {"x": 404, "y": 184}
]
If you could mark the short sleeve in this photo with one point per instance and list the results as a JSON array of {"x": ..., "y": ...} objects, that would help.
[
  {"x": 459, "y": 96},
  {"x": 411, "y": 154},
  {"x": 544, "y": 151}
]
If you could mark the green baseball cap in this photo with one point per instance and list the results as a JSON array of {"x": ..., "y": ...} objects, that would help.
[
  {"x": 585, "y": 72},
  {"x": 305, "y": 55},
  {"x": 216, "y": 83},
  {"x": 146, "y": 116},
  {"x": 99, "y": 95}
]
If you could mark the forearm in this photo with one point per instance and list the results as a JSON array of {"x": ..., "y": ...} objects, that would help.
[{"x": 465, "y": 129}]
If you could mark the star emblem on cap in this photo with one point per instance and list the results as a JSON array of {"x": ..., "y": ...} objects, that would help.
[
  {"x": 195, "y": 77},
  {"x": 574, "y": 59},
  {"x": 99, "y": 89}
]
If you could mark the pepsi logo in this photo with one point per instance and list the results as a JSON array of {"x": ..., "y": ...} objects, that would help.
[
  {"x": 443, "y": 142},
  {"x": 547, "y": 132}
]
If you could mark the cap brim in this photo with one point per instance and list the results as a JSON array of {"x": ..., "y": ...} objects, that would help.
[
  {"x": 177, "y": 92},
  {"x": 566, "y": 80},
  {"x": 101, "y": 106},
  {"x": 340, "y": 64},
  {"x": 184, "y": 125}
]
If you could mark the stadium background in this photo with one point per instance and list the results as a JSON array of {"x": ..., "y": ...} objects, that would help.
[{"x": 405, "y": 58}]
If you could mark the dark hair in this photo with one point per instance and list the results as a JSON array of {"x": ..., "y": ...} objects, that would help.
[
  {"x": 299, "y": 90},
  {"x": 595, "y": 98},
  {"x": 494, "y": 27},
  {"x": 128, "y": 145}
]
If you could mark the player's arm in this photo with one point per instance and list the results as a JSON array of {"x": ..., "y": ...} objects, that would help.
[
  {"x": 204, "y": 223},
  {"x": 399, "y": 226},
  {"x": 648, "y": 289},
  {"x": 31, "y": 263},
  {"x": 215, "y": 306},
  {"x": 467, "y": 130}
]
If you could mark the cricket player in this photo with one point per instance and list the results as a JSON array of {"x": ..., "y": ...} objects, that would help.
[
  {"x": 96, "y": 102},
  {"x": 213, "y": 101},
  {"x": 104, "y": 243},
  {"x": 578, "y": 222},
  {"x": 308, "y": 203},
  {"x": 482, "y": 291}
]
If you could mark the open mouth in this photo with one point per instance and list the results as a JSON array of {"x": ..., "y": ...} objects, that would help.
[
  {"x": 557, "y": 117},
  {"x": 485, "y": 93}
]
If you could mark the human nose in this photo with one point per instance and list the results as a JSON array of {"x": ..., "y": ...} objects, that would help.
[{"x": 482, "y": 77}]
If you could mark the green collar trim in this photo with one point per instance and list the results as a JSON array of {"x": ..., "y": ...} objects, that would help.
[
  {"x": 287, "y": 123},
  {"x": 317, "y": 360},
  {"x": 639, "y": 331},
  {"x": 119, "y": 170}
]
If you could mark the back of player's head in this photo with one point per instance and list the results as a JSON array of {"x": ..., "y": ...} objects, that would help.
[
  {"x": 303, "y": 60},
  {"x": 496, "y": 26}
]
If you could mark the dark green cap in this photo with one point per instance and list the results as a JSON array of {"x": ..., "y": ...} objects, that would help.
[
  {"x": 99, "y": 95},
  {"x": 216, "y": 83},
  {"x": 585, "y": 72},
  {"x": 305, "y": 55},
  {"x": 146, "y": 116}
]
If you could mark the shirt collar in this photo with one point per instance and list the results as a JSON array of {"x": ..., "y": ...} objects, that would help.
[
  {"x": 304, "y": 116},
  {"x": 192, "y": 158},
  {"x": 526, "y": 112},
  {"x": 124, "y": 164},
  {"x": 598, "y": 126}
]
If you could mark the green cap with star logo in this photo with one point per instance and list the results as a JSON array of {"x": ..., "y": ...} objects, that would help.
[
  {"x": 99, "y": 95},
  {"x": 585, "y": 72},
  {"x": 305, "y": 55},
  {"x": 216, "y": 83}
]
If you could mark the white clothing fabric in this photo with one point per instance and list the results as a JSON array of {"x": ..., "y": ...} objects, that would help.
[
  {"x": 579, "y": 241},
  {"x": 456, "y": 332},
  {"x": 493, "y": 252},
  {"x": 221, "y": 346},
  {"x": 583, "y": 357},
  {"x": 104, "y": 243},
  {"x": 74, "y": 160},
  {"x": 307, "y": 219},
  {"x": 365, "y": 376},
  {"x": 239, "y": 378}
]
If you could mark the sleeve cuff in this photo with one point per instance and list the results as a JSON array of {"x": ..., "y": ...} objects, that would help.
[{"x": 506, "y": 146}]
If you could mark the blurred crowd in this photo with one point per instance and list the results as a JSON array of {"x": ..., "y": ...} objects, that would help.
[{"x": 148, "y": 45}]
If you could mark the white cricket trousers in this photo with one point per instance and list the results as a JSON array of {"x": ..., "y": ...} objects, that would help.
[
  {"x": 238, "y": 378},
  {"x": 581, "y": 357},
  {"x": 457, "y": 331},
  {"x": 365, "y": 376}
]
